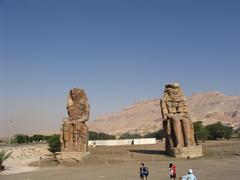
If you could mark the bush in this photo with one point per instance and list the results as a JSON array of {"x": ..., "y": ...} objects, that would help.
[
  {"x": 37, "y": 138},
  {"x": 100, "y": 136},
  {"x": 20, "y": 139},
  {"x": 200, "y": 131},
  {"x": 218, "y": 130},
  {"x": 158, "y": 134},
  {"x": 3, "y": 156},
  {"x": 54, "y": 143},
  {"x": 130, "y": 136}
]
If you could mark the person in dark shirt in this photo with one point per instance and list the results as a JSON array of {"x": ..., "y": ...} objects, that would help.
[{"x": 143, "y": 172}]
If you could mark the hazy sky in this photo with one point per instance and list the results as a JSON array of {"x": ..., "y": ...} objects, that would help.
[{"x": 120, "y": 52}]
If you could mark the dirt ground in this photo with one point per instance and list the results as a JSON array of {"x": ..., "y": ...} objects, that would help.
[{"x": 221, "y": 161}]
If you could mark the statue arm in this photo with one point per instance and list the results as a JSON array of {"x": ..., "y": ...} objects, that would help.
[{"x": 164, "y": 108}]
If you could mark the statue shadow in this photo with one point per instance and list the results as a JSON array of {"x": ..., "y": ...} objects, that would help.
[{"x": 144, "y": 151}]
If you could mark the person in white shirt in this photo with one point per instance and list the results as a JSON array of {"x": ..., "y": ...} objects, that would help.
[{"x": 189, "y": 176}]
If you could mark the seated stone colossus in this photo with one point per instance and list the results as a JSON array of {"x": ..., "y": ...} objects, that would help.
[
  {"x": 177, "y": 124},
  {"x": 74, "y": 132}
]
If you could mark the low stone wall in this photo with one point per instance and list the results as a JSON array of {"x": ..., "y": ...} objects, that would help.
[{"x": 122, "y": 142}]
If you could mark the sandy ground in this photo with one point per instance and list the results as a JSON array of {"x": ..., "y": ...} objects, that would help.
[
  {"x": 221, "y": 161},
  {"x": 22, "y": 155},
  {"x": 203, "y": 169}
]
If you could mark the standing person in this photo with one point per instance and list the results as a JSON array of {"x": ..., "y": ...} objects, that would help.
[
  {"x": 172, "y": 171},
  {"x": 189, "y": 176},
  {"x": 143, "y": 172}
]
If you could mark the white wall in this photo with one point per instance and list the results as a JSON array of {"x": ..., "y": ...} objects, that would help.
[{"x": 122, "y": 142}]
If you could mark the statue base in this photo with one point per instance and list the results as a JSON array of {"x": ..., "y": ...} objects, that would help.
[
  {"x": 72, "y": 156},
  {"x": 186, "y": 152}
]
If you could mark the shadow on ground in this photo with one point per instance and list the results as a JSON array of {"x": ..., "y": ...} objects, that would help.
[{"x": 143, "y": 151}]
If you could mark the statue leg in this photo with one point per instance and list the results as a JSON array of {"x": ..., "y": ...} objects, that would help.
[
  {"x": 68, "y": 137},
  {"x": 188, "y": 132},
  {"x": 61, "y": 138},
  {"x": 176, "y": 132},
  {"x": 192, "y": 140},
  {"x": 167, "y": 134}
]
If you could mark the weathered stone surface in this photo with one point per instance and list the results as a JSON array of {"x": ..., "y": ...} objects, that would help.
[
  {"x": 74, "y": 132},
  {"x": 77, "y": 105},
  {"x": 177, "y": 124},
  {"x": 72, "y": 157},
  {"x": 187, "y": 152}
]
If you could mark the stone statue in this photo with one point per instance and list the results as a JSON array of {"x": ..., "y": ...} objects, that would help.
[
  {"x": 74, "y": 132},
  {"x": 177, "y": 124}
]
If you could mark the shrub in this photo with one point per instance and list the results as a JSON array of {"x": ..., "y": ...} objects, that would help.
[
  {"x": 37, "y": 138},
  {"x": 218, "y": 130},
  {"x": 158, "y": 134},
  {"x": 3, "y": 156},
  {"x": 20, "y": 139},
  {"x": 54, "y": 143},
  {"x": 200, "y": 131},
  {"x": 100, "y": 136},
  {"x": 130, "y": 136}
]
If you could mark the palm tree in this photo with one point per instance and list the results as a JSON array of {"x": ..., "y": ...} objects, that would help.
[{"x": 3, "y": 156}]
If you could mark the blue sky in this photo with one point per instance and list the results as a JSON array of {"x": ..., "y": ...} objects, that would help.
[{"x": 120, "y": 52}]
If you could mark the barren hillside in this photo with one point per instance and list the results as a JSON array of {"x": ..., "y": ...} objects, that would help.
[{"x": 145, "y": 116}]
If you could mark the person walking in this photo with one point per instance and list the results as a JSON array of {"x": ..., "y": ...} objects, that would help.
[
  {"x": 143, "y": 172},
  {"x": 189, "y": 176}
]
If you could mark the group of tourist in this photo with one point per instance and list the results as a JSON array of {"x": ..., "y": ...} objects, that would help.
[{"x": 144, "y": 172}]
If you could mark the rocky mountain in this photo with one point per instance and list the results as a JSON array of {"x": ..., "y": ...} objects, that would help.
[{"x": 145, "y": 116}]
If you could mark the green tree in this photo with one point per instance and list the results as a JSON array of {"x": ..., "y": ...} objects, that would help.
[
  {"x": 158, "y": 134},
  {"x": 54, "y": 143},
  {"x": 103, "y": 136},
  {"x": 228, "y": 132},
  {"x": 37, "y": 138},
  {"x": 218, "y": 130},
  {"x": 92, "y": 135},
  {"x": 130, "y": 136},
  {"x": 99, "y": 136},
  {"x": 20, "y": 138},
  {"x": 200, "y": 131}
]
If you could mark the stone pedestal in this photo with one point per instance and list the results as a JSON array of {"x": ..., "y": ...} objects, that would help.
[
  {"x": 65, "y": 157},
  {"x": 186, "y": 152}
]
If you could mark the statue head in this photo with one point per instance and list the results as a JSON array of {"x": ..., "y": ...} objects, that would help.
[
  {"x": 172, "y": 89},
  {"x": 78, "y": 95},
  {"x": 77, "y": 105}
]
